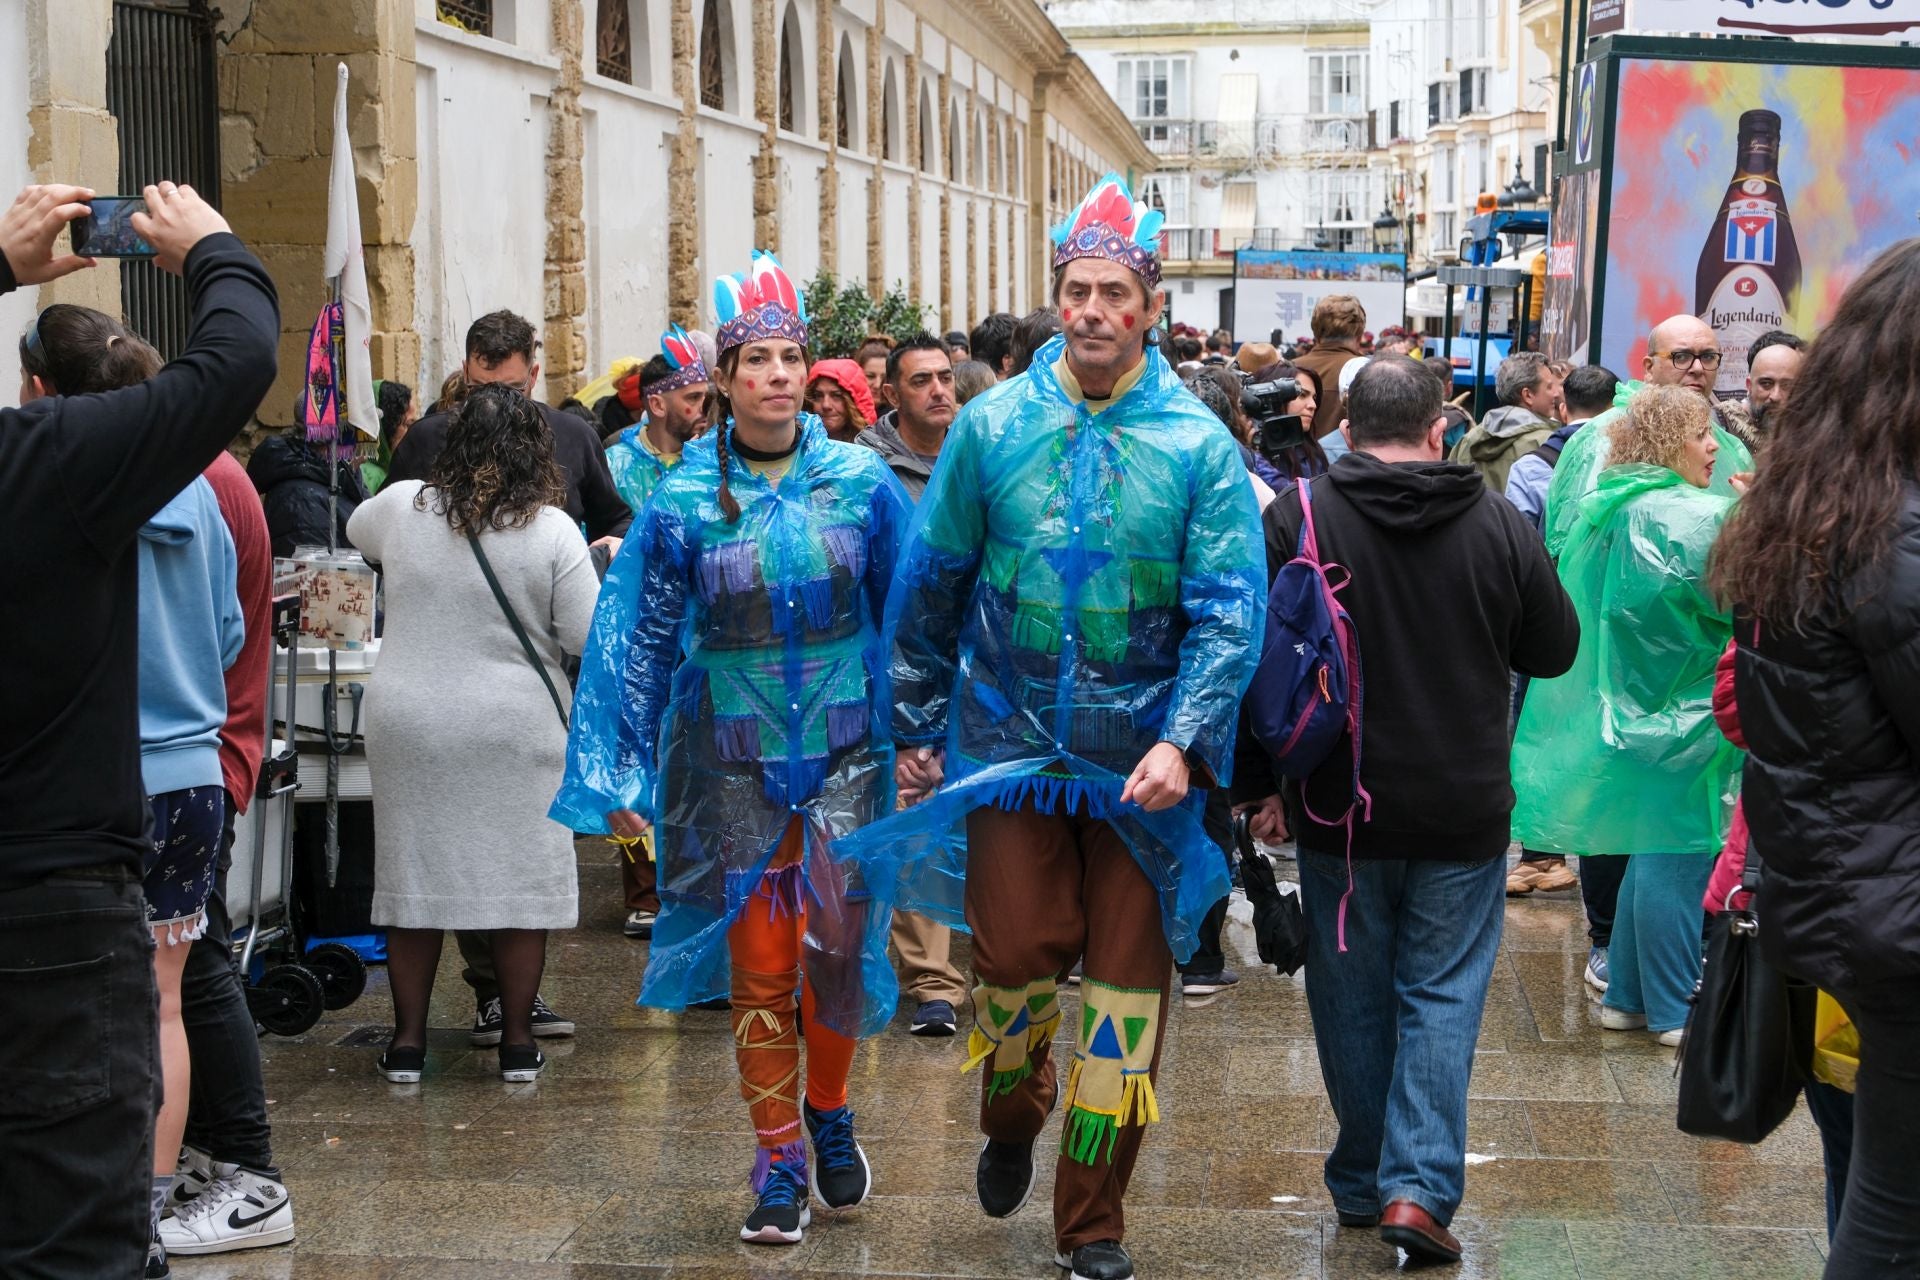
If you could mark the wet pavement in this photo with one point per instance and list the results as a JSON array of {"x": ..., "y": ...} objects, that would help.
[{"x": 629, "y": 1157}]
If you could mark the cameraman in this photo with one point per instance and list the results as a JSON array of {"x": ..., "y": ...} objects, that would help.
[
  {"x": 1280, "y": 401},
  {"x": 79, "y": 475}
]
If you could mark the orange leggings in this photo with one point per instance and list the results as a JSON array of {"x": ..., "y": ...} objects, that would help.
[{"x": 765, "y": 942}]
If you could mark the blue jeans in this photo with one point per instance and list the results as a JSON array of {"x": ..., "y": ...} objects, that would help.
[
  {"x": 1653, "y": 961},
  {"x": 1395, "y": 1018}
]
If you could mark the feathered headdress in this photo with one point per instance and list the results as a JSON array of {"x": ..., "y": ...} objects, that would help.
[
  {"x": 1111, "y": 224},
  {"x": 757, "y": 305},
  {"x": 683, "y": 359}
]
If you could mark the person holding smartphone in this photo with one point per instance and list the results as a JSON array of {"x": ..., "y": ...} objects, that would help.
[{"x": 79, "y": 477}]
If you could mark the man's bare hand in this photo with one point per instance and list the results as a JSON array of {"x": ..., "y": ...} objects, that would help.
[
  {"x": 1740, "y": 482},
  {"x": 627, "y": 824},
  {"x": 1159, "y": 781},
  {"x": 176, "y": 220},
  {"x": 1267, "y": 821},
  {"x": 30, "y": 226},
  {"x": 918, "y": 772}
]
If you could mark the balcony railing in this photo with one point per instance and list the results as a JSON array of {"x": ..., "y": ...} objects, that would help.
[
  {"x": 1179, "y": 137},
  {"x": 1210, "y": 244},
  {"x": 1279, "y": 136}
]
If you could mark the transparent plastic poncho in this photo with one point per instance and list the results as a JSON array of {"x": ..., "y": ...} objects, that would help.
[
  {"x": 637, "y": 470},
  {"x": 733, "y": 681},
  {"x": 1577, "y": 473},
  {"x": 1621, "y": 754},
  {"x": 1076, "y": 587}
]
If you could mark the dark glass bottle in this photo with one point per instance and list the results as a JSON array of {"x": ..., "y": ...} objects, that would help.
[{"x": 1749, "y": 276}]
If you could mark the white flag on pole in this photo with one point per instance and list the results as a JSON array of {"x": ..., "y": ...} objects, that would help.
[{"x": 346, "y": 265}]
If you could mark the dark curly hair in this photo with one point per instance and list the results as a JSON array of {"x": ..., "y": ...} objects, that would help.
[{"x": 496, "y": 470}]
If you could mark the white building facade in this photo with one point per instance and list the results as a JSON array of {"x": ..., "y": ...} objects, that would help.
[{"x": 1258, "y": 117}]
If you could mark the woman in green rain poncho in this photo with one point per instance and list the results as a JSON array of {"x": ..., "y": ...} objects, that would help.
[{"x": 1620, "y": 755}]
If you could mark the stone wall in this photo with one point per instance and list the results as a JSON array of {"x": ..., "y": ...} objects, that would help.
[
  {"x": 564, "y": 351},
  {"x": 71, "y": 137}
]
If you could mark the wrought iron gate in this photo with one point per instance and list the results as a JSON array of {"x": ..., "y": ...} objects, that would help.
[{"x": 164, "y": 94}]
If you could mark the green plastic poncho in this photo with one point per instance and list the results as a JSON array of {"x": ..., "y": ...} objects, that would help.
[
  {"x": 1577, "y": 473},
  {"x": 637, "y": 469},
  {"x": 1621, "y": 754}
]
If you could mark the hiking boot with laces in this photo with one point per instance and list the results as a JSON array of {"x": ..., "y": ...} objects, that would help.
[
  {"x": 781, "y": 1214},
  {"x": 841, "y": 1176}
]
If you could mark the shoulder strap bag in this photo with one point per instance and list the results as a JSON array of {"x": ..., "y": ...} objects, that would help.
[{"x": 513, "y": 620}]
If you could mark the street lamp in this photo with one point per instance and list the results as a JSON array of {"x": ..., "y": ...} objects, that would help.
[
  {"x": 1386, "y": 230},
  {"x": 1519, "y": 192}
]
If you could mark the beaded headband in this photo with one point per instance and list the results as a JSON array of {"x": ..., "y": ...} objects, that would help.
[
  {"x": 1110, "y": 224},
  {"x": 758, "y": 304},
  {"x": 688, "y": 369}
]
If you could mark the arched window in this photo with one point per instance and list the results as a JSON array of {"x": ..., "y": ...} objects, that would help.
[
  {"x": 954, "y": 152},
  {"x": 716, "y": 58},
  {"x": 846, "y": 100},
  {"x": 929, "y": 132},
  {"x": 892, "y": 147},
  {"x": 613, "y": 41},
  {"x": 793, "y": 75}
]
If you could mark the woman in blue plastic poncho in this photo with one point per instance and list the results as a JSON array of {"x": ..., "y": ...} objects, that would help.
[
  {"x": 1621, "y": 755},
  {"x": 731, "y": 699}
]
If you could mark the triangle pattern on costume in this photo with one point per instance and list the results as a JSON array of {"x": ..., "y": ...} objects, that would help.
[
  {"x": 1105, "y": 1044},
  {"x": 1135, "y": 1028},
  {"x": 1087, "y": 1016},
  {"x": 998, "y": 1015}
]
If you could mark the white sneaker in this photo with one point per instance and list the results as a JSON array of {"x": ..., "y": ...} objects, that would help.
[
  {"x": 240, "y": 1211},
  {"x": 1673, "y": 1038},
  {"x": 1620, "y": 1020},
  {"x": 196, "y": 1170}
]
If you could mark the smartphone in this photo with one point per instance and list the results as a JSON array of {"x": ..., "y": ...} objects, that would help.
[{"x": 107, "y": 231}]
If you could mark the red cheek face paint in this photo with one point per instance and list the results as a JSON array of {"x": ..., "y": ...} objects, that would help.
[
  {"x": 750, "y": 385},
  {"x": 1066, "y": 315},
  {"x": 1127, "y": 321}
]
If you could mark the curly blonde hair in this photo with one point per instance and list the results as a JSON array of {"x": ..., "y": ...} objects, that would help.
[{"x": 1659, "y": 424}]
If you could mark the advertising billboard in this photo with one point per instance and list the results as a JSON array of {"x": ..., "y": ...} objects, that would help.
[
  {"x": 1567, "y": 313},
  {"x": 1750, "y": 194},
  {"x": 1851, "y": 20},
  {"x": 1278, "y": 288}
]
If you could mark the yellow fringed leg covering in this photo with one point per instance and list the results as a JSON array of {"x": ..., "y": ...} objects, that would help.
[
  {"x": 1109, "y": 1084},
  {"x": 1009, "y": 1024}
]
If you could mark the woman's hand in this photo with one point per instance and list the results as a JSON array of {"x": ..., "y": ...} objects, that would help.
[
  {"x": 1266, "y": 820},
  {"x": 917, "y": 772},
  {"x": 627, "y": 824},
  {"x": 1740, "y": 482}
]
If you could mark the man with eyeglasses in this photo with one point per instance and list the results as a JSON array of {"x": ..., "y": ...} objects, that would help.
[{"x": 501, "y": 349}]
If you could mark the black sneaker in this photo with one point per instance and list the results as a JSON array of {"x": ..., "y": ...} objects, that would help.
[
  {"x": 157, "y": 1268},
  {"x": 520, "y": 1063},
  {"x": 841, "y": 1176},
  {"x": 403, "y": 1066},
  {"x": 639, "y": 924},
  {"x": 1207, "y": 984},
  {"x": 781, "y": 1215},
  {"x": 1101, "y": 1260},
  {"x": 934, "y": 1018},
  {"x": 1004, "y": 1178},
  {"x": 487, "y": 1024},
  {"x": 719, "y": 1004},
  {"x": 547, "y": 1023}
]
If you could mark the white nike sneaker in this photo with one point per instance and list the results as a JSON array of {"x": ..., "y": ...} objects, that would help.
[
  {"x": 240, "y": 1211},
  {"x": 196, "y": 1170}
]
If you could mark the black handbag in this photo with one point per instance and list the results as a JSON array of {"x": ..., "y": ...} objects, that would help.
[
  {"x": 1279, "y": 925},
  {"x": 1749, "y": 1038},
  {"x": 513, "y": 620}
]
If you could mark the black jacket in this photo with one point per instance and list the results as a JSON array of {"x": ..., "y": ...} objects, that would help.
[
  {"x": 291, "y": 476},
  {"x": 1450, "y": 590},
  {"x": 79, "y": 475},
  {"x": 591, "y": 497},
  {"x": 1832, "y": 783}
]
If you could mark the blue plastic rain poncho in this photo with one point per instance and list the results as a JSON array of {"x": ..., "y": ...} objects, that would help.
[
  {"x": 1076, "y": 588},
  {"x": 1577, "y": 473},
  {"x": 1621, "y": 754},
  {"x": 637, "y": 469},
  {"x": 733, "y": 680}
]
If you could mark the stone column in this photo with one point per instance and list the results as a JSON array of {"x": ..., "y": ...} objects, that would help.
[
  {"x": 996, "y": 164},
  {"x": 917, "y": 160},
  {"x": 876, "y": 139},
  {"x": 71, "y": 137},
  {"x": 942, "y": 106},
  {"x": 827, "y": 69},
  {"x": 766, "y": 109},
  {"x": 277, "y": 73},
  {"x": 564, "y": 339},
  {"x": 1039, "y": 174},
  {"x": 683, "y": 226},
  {"x": 969, "y": 301}
]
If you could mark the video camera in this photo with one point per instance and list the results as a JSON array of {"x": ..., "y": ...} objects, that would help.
[{"x": 1275, "y": 431}]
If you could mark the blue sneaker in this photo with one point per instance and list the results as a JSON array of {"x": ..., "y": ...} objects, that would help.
[
  {"x": 781, "y": 1215},
  {"x": 1597, "y": 969},
  {"x": 841, "y": 1176}
]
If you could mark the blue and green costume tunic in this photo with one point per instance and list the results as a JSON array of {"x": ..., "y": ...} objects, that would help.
[
  {"x": 733, "y": 681},
  {"x": 1080, "y": 583},
  {"x": 637, "y": 467}
]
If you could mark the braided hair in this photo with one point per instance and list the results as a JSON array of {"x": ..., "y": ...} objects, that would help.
[{"x": 720, "y": 413}]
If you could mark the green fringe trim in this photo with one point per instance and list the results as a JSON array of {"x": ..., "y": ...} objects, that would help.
[
  {"x": 1083, "y": 1134},
  {"x": 1002, "y": 1083}
]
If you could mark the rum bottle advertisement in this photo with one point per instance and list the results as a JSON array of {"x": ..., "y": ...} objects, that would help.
[{"x": 1750, "y": 196}]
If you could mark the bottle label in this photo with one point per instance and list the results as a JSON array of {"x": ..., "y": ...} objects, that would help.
[
  {"x": 1745, "y": 304},
  {"x": 1752, "y": 231}
]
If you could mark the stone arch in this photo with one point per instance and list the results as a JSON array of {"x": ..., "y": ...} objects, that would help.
[
  {"x": 719, "y": 65},
  {"x": 792, "y": 60},
  {"x": 846, "y": 98}
]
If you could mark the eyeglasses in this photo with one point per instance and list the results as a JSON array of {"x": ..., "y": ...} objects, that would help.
[{"x": 1683, "y": 358}]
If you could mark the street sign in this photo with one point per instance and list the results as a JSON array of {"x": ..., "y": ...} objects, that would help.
[{"x": 1482, "y": 277}]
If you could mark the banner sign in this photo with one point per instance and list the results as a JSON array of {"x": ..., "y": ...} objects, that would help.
[
  {"x": 1279, "y": 288},
  {"x": 1864, "y": 20}
]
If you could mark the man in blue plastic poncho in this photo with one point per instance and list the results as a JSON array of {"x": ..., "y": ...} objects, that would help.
[{"x": 1074, "y": 620}]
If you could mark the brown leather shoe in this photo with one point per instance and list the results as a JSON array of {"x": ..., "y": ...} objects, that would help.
[{"x": 1412, "y": 1228}]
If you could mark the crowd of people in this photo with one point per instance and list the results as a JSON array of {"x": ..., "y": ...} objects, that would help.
[{"x": 958, "y": 633}]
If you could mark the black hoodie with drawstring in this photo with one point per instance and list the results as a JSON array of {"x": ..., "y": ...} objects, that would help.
[{"x": 1450, "y": 590}]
